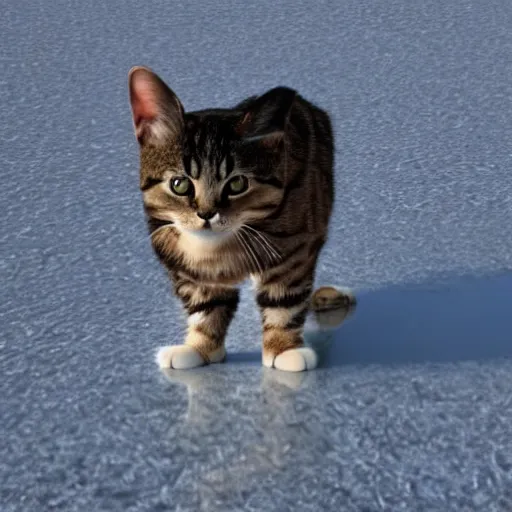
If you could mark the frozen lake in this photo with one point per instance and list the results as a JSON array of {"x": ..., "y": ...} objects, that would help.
[{"x": 411, "y": 409}]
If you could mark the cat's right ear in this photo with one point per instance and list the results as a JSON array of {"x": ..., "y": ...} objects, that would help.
[
  {"x": 157, "y": 111},
  {"x": 266, "y": 116}
]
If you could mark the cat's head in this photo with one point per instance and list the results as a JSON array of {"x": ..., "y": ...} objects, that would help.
[{"x": 213, "y": 171}]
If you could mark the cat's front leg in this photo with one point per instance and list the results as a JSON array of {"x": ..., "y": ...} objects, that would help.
[
  {"x": 284, "y": 311},
  {"x": 210, "y": 310}
]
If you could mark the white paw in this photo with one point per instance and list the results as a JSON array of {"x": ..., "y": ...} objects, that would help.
[
  {"x": 179, "y": 357},
  {"x": 293, "y": 360},
  {"x": 184, "y": 357}
]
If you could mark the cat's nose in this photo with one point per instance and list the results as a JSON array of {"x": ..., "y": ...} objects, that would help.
[{"x": 206, "y": 215}]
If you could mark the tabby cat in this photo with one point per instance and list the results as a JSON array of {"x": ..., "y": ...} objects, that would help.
[{"x": 233, "y": 193}]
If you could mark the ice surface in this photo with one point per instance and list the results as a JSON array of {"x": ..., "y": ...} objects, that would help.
[{"x": 411, "y": 410}]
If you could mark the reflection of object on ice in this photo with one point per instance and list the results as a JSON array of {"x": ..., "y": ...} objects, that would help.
[
  {"x": 329, "y": 308},
  {"x": 207, "y": 388},
  {"x": 244, "y": 424},
  {"x": 275, "y": 379}
]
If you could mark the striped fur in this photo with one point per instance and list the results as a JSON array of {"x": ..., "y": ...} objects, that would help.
[{"x": 281, "y": 146}]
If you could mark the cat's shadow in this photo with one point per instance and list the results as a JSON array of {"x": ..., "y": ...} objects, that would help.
[{"x": 457, "y": 319}]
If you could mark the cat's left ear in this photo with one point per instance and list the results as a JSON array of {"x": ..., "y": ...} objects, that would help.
[
  {"x": 157, "y": 111},
  {"x": 267, "y": 115}
]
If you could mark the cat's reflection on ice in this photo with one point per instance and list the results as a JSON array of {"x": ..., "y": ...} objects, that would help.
[
  {"x": 243, "y": 432},
  {"x": 250, "y": 423}
]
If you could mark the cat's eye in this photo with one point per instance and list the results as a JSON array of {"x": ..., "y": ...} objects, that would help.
[
  {"x": 237, "y": 185},
  {"x": 182, "y": 186}
]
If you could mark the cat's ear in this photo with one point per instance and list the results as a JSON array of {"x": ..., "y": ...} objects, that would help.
[
  {"x": 267, "y": 115},
  {"x": 157, "y": 111}
]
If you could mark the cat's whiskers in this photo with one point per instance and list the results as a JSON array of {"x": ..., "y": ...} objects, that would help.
[
  {"x": 264, "y": 239},
  {"x": 271, "y": 248},
  {"x": 264, "y": 243},
  {"x": 245, "y": 254},
  {"x": 260, "y": 246},
  {"x": 251, "y": 254},
  {"x": 253, "y": 251}
]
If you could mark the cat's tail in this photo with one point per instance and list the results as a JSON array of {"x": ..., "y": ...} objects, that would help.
[{"x": 330, "y": 307}]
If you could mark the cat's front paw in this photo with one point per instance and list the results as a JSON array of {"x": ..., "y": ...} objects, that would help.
[
  {"x": 179, "y": 357},
  {"x": 185, "y": 357},
  {"x": 292, "y": 360}
]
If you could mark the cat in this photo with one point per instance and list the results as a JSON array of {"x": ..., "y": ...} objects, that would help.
[{"x": 235, "y": 193}]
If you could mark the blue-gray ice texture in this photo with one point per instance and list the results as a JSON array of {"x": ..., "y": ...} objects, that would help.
[{"x": 412, "y": 409}]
